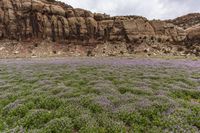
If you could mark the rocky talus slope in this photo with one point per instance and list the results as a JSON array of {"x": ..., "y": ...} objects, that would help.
[{"x": 42, "y": 28}]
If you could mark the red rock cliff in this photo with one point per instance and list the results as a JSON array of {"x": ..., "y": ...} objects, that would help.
[{"x": 93, "y": 34}]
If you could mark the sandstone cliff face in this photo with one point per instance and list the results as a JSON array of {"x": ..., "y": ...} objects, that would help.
[
  {"x": 187, "y": 21},
  {"x": 193, "y": 33},
  {"x": 80, "y": 31},
  {"x": 191, "y": 24}
]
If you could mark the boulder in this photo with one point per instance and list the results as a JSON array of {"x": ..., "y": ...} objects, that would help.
[{"x": 193, "y": 33}]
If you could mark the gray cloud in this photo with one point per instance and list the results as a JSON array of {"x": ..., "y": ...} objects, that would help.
[{"x": 152, "y": 9}]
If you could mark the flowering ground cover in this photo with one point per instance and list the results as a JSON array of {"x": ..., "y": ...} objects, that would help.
[{"x": 102, "y": 95}]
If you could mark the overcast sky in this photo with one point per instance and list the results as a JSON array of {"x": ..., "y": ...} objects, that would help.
[{"x": 152, "y": 9}]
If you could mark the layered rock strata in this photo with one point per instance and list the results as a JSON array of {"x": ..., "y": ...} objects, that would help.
[{"x": 65, "y": 30}]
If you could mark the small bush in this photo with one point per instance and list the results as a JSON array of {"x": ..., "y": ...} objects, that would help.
[
  {"x": 84, "y": 121},
  {"x": 135, "y": 91},
  {"x": 47, "y": 102},
  {"x": 59, "y": 125},
  {"x": 36, "y": 119},
  {"x": 186, "y": 94}
]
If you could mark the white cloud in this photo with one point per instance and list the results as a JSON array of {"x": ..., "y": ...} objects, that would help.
[{"x": 158, "y": 9}]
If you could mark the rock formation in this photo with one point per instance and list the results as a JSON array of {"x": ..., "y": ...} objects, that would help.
[
  {"x": 187, "y": 21},
  {"x": 44, "y": 28}
]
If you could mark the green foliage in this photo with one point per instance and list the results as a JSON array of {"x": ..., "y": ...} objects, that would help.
[
  {"x": 98, "y": 99},
  {"x": 19, "y": 111},
  {"x": 58, "y": 125},
  {"x": 36, "y": 119},
  {"x": 47, "y": 102},
  {"x": 186, "y": 94},
  {"x": 84, "y": 121},
  {"x": 194, "y": 117},
  {"x": 136, "y": 91},
  {"x": 109, "y": 124},
  {"x": 88, "y": 103},
  {"x": 2, "y": 124}
]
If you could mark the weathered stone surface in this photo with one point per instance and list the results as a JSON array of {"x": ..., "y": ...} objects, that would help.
[
  {"x": 193, "y": 33},
  {"x": 80, "y": 30},
  {"x": 186, "y": 21}
]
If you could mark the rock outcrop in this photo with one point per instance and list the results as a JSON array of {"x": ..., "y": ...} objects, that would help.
[
  {"x": 28, "y": 25},
  {"x": 187, "y": 21}
]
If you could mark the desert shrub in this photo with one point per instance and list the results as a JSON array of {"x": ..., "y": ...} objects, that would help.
[
  {"x": 110, "y": 125},
  {"x": 99, "y": 99},
  {"x": 144, "y": 119},
  {"x": 93, "y": 130},
  {"x": 194, "y": 117},
  {"x": 36, "y": 119},
  {"x": 10, "y": 99},
  {"x": 2, "y": 124},
  {"x": 58, "y": 125},
  {"x": 69, "y": 110},
  {"x": 47, "y": 102},
  {"x": 84, "y": 121},
  {"x": 186, "y": 94},
  {"x": 20, "y": 111},
  {"x": 196, "y": 75},
  {"x": 88, "y": 103},
  {"x": 185, "y": 80},
  {"x": 134, "y": 120},
  {"x": 136, "y": 91}
]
